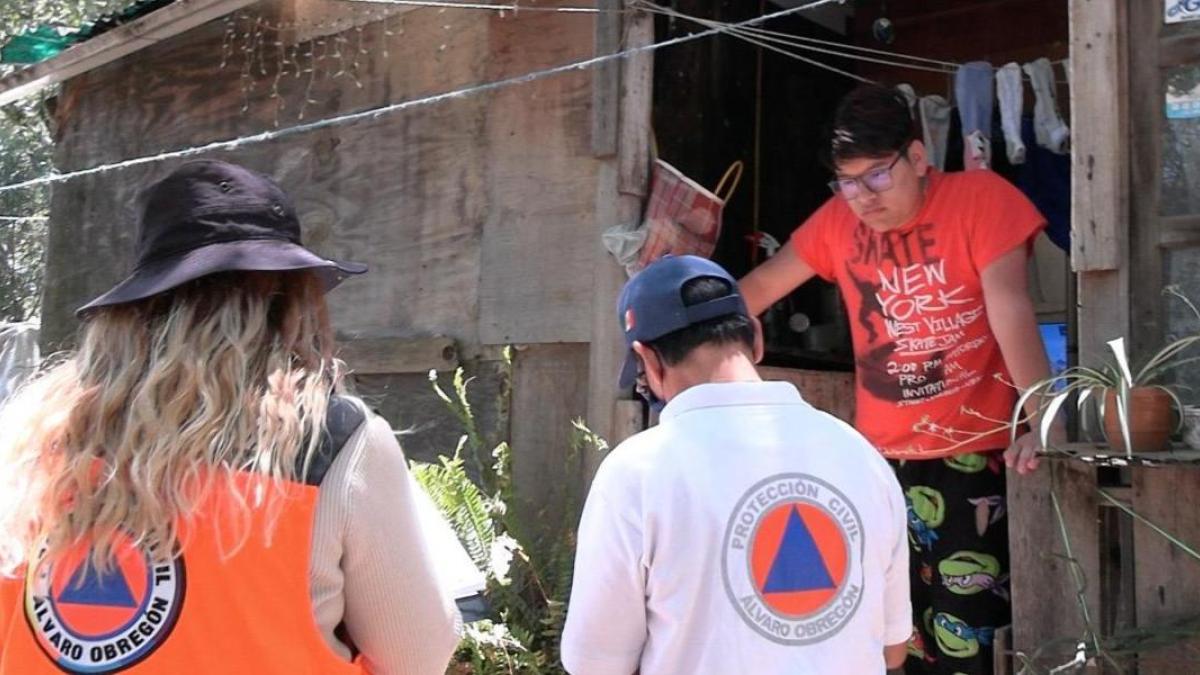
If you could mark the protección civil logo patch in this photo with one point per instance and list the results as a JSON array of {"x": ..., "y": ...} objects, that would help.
[
  {"x": 793, "y": 559},
  {"x": 92, "y": 620}
]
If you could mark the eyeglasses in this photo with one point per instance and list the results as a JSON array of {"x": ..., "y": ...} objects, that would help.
[{"x": 875, "y": 180}]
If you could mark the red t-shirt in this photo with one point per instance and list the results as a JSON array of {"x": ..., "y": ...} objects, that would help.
[{"x": 926, "y": 359}]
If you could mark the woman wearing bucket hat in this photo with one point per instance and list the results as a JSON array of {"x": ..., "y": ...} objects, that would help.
[{"x": 191, "y": 491}]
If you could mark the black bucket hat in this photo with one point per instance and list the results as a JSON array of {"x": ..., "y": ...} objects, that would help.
[{"x": 209, "y": 216}]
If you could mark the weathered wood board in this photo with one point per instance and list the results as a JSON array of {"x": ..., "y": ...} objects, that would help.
[
  {"x": 1045, "y": 592},
  {"x": 385, "y": 356},
  {"x": 1099, "y": 128},
  {"x": 549, "y": 391},
  {"x": 476, "y": 214},
  {"x": 538, "y": 235},
  {"x": 1167, "y": 579},
  {"x": 830, "y": 391},
  {"x": 415, "y": 193},
  {"x": 428, "y": 428}
]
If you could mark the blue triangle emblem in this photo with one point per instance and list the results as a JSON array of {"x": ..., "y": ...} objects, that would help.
[
  {"x": 88, "y": 586},
  {"x": 798, "y": 565}
]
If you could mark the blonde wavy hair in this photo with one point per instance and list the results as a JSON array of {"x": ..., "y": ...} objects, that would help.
[{"x": 165, "y": 399}]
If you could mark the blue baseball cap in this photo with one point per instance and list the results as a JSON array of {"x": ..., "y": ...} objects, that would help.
[{"x": 651, "y": 304}]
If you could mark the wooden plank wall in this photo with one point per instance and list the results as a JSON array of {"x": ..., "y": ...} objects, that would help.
[
  {"x": 477, "y": 215},
  {"x": 1167, "y": 579},
  {"x": 472, "y": 230},
  {"x": 402, "y": 193},
  {"x": 538, "y": 239},
  {"x": 621, "y": 186}
]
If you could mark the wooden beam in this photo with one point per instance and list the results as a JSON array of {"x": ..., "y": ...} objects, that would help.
[
  {"x": 1045, "y": 596},
  {"x": 1179, "y": 232},
  {"x": 1002, "y": 651},
  {"x": 1099, "y": 123},
  {"x": 619, "y": 191},
  {"x": 637, "y": 84},
  {"x": 629, "y": 419},
  {"x": 549, "y": 390},
  {"x": 1145, "y": 160},
  {"x": 156, "y": 26},
  {"x": 1100, "y": 174},
  {"x": 606, "y": 81},
  {"x": 389, "y": 356},
  {"x": 1179, "y": 50}
]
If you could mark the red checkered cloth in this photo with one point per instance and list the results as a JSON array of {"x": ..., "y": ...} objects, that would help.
[{"x": 682, "y": 217}]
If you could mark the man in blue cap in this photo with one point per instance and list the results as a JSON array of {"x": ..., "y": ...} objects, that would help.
[{"x": 748, "y": 531}]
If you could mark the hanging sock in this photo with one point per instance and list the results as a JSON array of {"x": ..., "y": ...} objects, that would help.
[
  {"x": 1052, "y": 133},
  {"x": 1010, "y": 91},
  {"x": 976, "y": 96},
  {"x": 935, "y": 118},
  {"x": 910, "y": 95}
]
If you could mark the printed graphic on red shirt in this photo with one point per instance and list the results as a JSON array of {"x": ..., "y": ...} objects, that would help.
[
  {"x": 925, "y": 353},
  {"x": 793, "y": 559},
  {"x": 921, "y": 324}
]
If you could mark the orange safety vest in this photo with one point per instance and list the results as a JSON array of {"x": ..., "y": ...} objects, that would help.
[{"x": 199, "y": 613}]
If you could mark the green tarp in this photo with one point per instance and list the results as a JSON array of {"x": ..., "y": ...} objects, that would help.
[{"x": 46, "y": 41}]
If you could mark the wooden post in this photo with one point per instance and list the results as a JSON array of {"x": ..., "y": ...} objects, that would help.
[
  {"x": 1047, "y": 603},
  {"x": 1045, "y": 592},
  {"x": 1099, "y": 126},
  {"x": 1100, "y": 173},
  {"x": 548, "y": 392},
  {"x": 621, "y": 188},
  {"x": 606, "y": 80}
]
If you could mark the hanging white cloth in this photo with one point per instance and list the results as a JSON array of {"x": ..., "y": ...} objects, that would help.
[
  {"x": 910, "y": 95},
  {"x": 1049, "y": 129},
  {"x": 935, "y": 118},
  {"x": 976, "y": 95},
  {"x": 1010, "y": 93}
]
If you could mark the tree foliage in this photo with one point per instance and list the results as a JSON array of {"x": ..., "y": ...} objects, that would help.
[{"x": 26, "y": 151}]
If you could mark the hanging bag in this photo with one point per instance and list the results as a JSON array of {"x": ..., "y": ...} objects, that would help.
[{"x": 682, "y": 217}]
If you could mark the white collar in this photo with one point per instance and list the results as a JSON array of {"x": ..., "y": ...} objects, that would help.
[{"x": 721, "y": 394}]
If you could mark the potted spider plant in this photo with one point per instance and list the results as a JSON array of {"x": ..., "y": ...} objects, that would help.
[{"x": 1138, "y": 411}]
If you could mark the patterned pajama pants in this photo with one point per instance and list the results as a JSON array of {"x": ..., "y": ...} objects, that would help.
[{"x": 958, "y": 530}]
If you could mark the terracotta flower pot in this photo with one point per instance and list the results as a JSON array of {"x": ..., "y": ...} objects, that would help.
[{"x": 1150, "y": 419}]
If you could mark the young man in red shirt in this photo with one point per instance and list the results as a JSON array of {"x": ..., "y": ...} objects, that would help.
[{"x": 932, "y": 267}]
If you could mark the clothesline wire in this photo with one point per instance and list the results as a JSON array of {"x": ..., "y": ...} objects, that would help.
[
  {"x": 950, "y": 65},
  {"x": 801, "y": 42},
  {"x": 813, "y": 62},
  {"x": 946, "y": 67},
  {"x": 733, "y": 30},
  {"x": 764, "y": 33},
  {"x": 788, "y": 37},
  {"x": 377, "y": 112},
  {"x": 757, "y": 36},
  {"x": 845, "y": 55}
]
